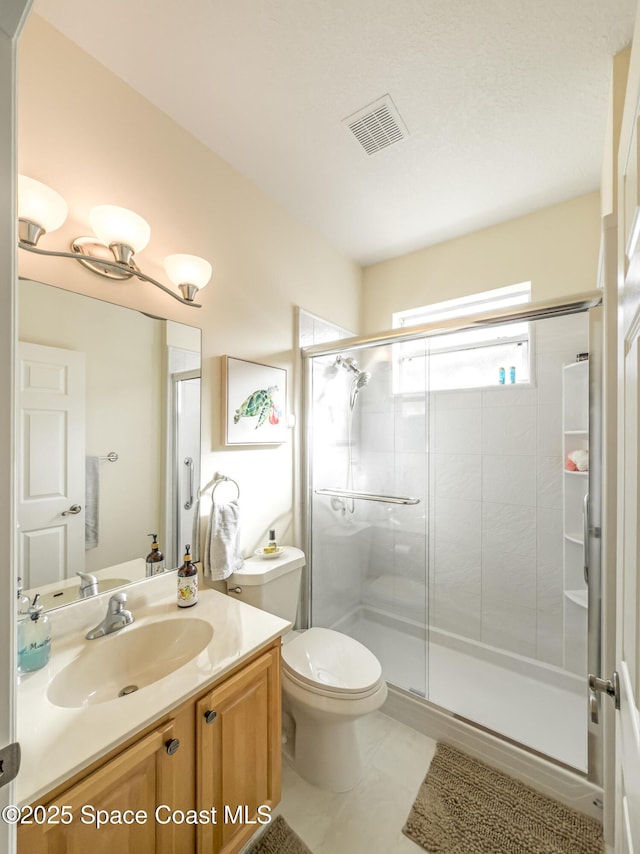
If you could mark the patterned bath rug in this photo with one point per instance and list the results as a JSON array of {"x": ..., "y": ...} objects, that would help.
[
  {"x": 278, "y": 838},
  {"x": 465, "y": 807}
]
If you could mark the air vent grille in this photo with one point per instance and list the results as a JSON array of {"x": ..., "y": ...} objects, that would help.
[{"x": 377, "y": 126}]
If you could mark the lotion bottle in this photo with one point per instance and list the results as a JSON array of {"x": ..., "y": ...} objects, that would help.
[{"x": 187, "y": 582}]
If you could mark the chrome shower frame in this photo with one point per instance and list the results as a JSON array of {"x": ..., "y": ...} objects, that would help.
[{"x": 530, "y": 312}]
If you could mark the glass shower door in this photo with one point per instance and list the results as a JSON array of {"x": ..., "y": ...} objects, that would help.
[{"x": 369, "y": 496}]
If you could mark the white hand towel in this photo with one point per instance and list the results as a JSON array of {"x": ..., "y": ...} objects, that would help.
[{"x": 222, "y": 545}]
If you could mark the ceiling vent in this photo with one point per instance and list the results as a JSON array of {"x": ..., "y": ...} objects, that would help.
[{"x": 377, "y": 125}]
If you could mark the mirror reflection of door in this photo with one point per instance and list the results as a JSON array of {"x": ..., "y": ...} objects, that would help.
[{"x": 51, "y": 452}]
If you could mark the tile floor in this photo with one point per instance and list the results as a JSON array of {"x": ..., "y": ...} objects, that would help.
[{"x": 369, "y": 818}]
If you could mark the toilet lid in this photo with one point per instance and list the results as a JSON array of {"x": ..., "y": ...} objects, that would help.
[{"x": 323, "y": 657}]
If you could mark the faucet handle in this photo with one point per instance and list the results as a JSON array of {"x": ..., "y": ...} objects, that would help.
[{"x": 117, "y": 602}]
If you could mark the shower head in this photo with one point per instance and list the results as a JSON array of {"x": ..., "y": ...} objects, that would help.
[
  {"x": 362, "y": 378},
  {"x": 350, "y": 364}
]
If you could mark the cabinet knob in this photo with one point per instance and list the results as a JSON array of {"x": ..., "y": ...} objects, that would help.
[
  {"x": 172, "y": 745},
  {"x": 210, "y": 716}
]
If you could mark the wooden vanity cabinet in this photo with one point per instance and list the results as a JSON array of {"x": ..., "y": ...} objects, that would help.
[
  {"x": 228, "y": 760},
  {"x": 239, "y": 759}
]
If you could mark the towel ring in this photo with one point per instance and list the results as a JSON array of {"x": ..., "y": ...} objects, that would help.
[{"x": 221, "y": 479}]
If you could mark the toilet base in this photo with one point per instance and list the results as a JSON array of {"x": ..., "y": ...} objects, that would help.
[
  {"x": 328, "y": 756},
  {"x": 326, "y": 751}
]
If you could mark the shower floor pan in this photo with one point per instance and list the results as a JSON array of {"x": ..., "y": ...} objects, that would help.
[{"x": 533, "y": 704}]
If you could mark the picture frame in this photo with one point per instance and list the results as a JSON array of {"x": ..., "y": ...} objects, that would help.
[{"x": 254, "y": 403}]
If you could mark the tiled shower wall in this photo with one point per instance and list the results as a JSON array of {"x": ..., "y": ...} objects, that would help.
[{"x": 492, "y": 461}]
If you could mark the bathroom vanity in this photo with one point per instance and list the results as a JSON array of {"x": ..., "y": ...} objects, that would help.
[{"x": 189, "y": 762}]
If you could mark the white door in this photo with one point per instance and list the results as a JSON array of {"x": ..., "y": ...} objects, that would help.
[
  {"x": 628, "y": 638},
  {"x": 51, "y": 463},
  {"x": 627, "y": 723}
]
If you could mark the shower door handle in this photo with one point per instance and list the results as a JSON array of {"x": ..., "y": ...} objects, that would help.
[
  {"x": 189, "y": 463},
  {"x": 585, "y": 535}
]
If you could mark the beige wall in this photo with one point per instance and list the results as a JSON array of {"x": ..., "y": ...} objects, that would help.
[
  {"x": 555, "y": 248},
  {"x": 95, "y": 140}
]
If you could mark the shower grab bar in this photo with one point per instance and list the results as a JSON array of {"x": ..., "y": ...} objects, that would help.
[{"x": 368, "y": 496}]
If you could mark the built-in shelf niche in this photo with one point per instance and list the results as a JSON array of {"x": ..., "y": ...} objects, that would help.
[{"x": 575, "y": 436}]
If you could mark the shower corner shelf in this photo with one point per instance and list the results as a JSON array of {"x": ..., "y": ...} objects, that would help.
[
  {"x": 575, "y": 436},
  {"x": 578, "y": 597}
]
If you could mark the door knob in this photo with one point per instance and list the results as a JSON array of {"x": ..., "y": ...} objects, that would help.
[{"x": 72, "y": 511}]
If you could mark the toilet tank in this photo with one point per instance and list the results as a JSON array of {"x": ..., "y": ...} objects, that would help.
[{"x": 272, "y": 584}]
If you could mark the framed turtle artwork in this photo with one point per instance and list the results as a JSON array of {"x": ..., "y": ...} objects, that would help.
[{"x": 255, "y": 403}]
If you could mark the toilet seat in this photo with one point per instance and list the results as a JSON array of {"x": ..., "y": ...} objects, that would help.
[{"x": 331, "y": 664}]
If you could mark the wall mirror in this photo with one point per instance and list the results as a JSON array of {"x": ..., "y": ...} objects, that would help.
[{"x": 108, "y": 441}]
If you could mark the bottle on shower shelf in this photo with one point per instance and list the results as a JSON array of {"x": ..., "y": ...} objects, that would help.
[
  {"x": 512, "y": 374},
  {"x": 501, "y": 376}
]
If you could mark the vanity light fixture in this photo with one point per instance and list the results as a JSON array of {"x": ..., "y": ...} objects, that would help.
[{"x": 119, "y": 234}]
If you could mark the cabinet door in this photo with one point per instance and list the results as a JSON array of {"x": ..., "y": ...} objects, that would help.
[
  {"x": 139, "y": 779},
  {"x": 238, "y": 750}
]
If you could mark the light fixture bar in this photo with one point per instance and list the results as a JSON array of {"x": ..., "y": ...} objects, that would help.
[{"x": 114, "y": 265}]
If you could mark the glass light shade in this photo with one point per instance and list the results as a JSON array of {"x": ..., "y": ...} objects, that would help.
[
  {"x": 112, "y": 224},
  {"x": 40, "y": 204},
  {"x": 187, "y": 270}
]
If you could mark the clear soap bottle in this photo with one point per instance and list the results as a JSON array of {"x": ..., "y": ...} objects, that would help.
[
  {"x": 187, "y": 582},
  {"x": 34, "y": 639}
]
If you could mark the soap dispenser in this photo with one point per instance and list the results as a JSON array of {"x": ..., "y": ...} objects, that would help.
[
  {"x": 24, "y": 603},
  {"x": 34, "y": 639},
  {"x": 187, "y": 582},
  {"x": 155, "y": 562}
]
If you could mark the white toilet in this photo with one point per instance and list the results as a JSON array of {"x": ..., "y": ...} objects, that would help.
[{"x": 329, "y": 680}]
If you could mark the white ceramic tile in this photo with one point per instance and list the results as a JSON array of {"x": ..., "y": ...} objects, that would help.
[
  {"x": 549, "y": 479},
  {"x": 549, "y": 378},
  {"x": 509, "y": 530},
  {"x": 549, "y": 536},
  {"x": 509, "y": 479},
  {"x": 510, "y": 396},
  {"x": 457, "y": 399},
  {"x": 377, "y": 431},
  {"x": 457, "y": 520},
  {"x": 508, "y": 580},
  {"x": 549, "y": 431},
  {"x": 457, "y": 475},
  {"x": 549, "y": 638},
  {"x": 457, "y": 431},
  {"x": 509, "y": 430},
  {"x": 410, "y": 425},
  {"x": 458, "y": 612},
  {"x": 512, "y": 629},
  {"x": 457, "y": 566}
]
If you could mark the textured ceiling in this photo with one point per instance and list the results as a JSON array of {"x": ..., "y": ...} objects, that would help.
[{"x": 504, "y": 100}]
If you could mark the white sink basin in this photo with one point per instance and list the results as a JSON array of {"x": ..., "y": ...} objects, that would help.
[{"x": 128, "y": 660}]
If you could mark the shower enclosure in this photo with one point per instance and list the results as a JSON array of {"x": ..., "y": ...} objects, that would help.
[{"x": 446, "y": 475}]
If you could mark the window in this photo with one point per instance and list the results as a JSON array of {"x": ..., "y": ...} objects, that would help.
[{"x": 487, "y": 356}]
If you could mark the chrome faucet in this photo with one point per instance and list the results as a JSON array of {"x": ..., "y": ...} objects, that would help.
[
  {"x": 117, "y": 617},
  {"x": 88, "y": 585}
]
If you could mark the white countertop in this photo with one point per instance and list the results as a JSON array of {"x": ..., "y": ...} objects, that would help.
[{"x": 58, "y": 742}]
